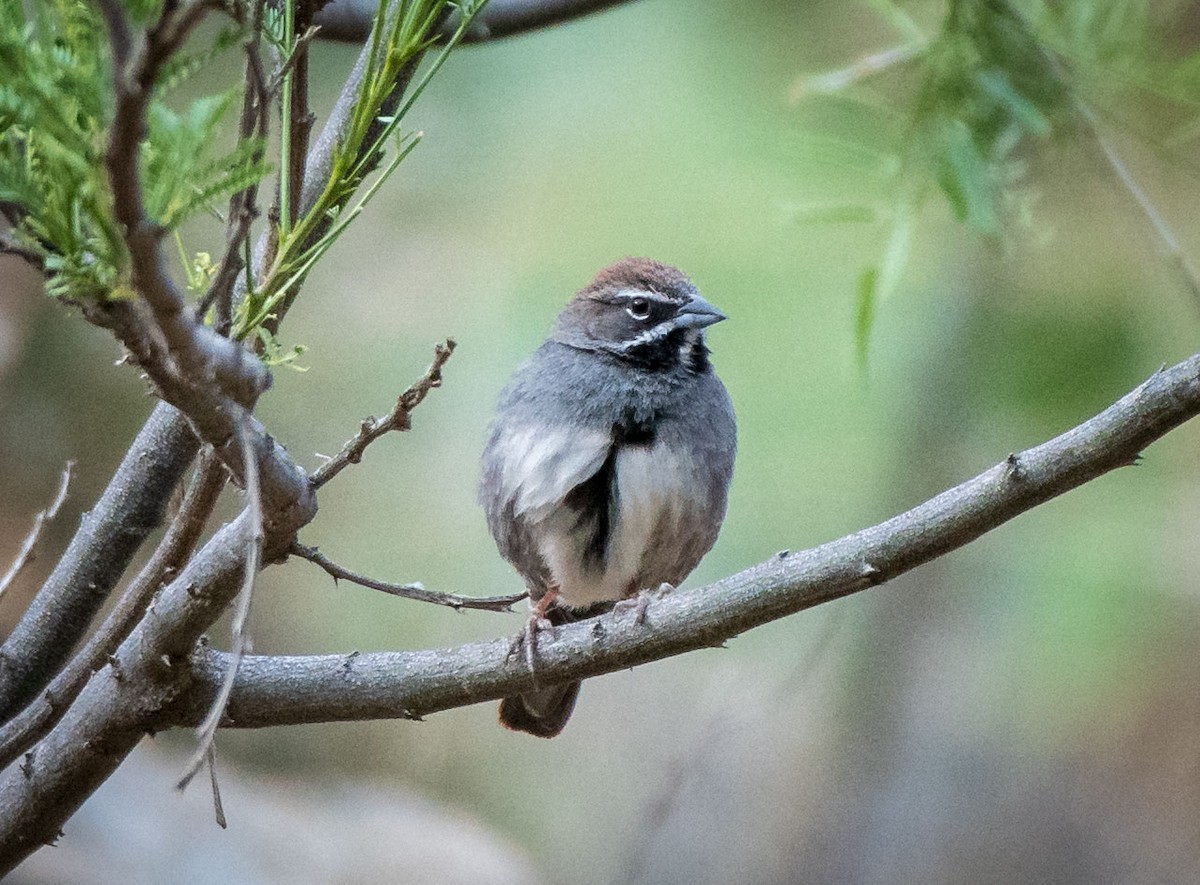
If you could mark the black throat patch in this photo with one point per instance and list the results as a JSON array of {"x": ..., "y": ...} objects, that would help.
[{"x": 676, "y": 348}]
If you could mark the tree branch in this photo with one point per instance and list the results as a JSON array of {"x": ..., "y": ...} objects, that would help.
[
  {"x": 213, "y": 380},
  {"x": 241, "y": 614},
  {"x": 319, "y": 164},
  {"x": 253, "y": 123},
  {"x": 397, "y": 419},
  {"x": 414, "y": 591},
  {"x": 109, "y": 534},
  {"x": 197, "y": 353},
  {"x": 20, "y": 732},
  {"x": 322, "y": 688},
  {"x": 120, "y": 702},
  {"x": 349, "y": 21}
]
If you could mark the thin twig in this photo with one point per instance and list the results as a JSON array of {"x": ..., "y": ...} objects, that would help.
[
  {"x": 241, "y": 635},
  {"x": 1160, "y": 224},
  {"x": 303, "y": 40},
  {"x": 319, "y": 170},
  {"x": 297, "y": 117},
  {"x": 28, "y": 549},
  {"x": 197, "y": 350},
  {"x": 868, "y": 66},
  {"x": 415, "y": 590},
  {"x": 19, "y": 733},
  {"x": 397, "y": 419},
  {"x": 218, "y": 807},
  {"x": 290, "y": 82},
  {"x": 254, "y": 123},
  {"x": 1161, "y": 227}
]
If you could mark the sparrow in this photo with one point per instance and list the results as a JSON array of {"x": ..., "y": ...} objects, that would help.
[{"x": 607, "y": 466}]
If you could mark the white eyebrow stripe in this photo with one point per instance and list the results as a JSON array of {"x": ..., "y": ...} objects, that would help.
[{"x": 653, "y": 295}]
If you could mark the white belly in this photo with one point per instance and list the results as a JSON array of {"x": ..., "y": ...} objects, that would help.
[{"x": 657, "y": 497}]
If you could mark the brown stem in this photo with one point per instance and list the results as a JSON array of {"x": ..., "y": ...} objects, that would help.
[
  {"x": 350, "y": 20},
  {"x": 415, "y": 591},
  {"x": 397, "y": 419}
]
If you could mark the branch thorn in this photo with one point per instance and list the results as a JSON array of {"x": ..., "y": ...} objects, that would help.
[{"x": 1013, "y": 467}]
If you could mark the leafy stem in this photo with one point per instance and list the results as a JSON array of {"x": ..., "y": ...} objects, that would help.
[
  {"x": 285, "y": 131},
  {"x": 398, "y": 41}
]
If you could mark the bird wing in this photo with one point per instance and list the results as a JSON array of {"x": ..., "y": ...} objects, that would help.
[
  {"x": 528, "y": 471},
  {"x": 534, "y": 467}
]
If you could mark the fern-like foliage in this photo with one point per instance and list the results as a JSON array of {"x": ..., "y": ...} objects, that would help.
[
  {"x": 179, "y": 174},
  {"x": 55, "y": 105},
  {"x": 54, "y": 101}
]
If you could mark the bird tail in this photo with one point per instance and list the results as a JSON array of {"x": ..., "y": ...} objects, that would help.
[{"x": 543, "y": 713}]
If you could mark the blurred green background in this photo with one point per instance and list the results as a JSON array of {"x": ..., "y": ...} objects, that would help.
[{"x": 1021, "y": 710}]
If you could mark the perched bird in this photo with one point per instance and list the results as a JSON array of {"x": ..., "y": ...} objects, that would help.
[{"x": 607, "y": 465}]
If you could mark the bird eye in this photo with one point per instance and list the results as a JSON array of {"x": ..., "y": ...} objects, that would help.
[{"x": 639, "y": 308}]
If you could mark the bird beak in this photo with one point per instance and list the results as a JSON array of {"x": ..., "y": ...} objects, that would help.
[{"x": 697, "y": 314}]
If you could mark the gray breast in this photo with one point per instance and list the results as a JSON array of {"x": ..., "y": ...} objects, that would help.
[{"x": 575, "y": 501}]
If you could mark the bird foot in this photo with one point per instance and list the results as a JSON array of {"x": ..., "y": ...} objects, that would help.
[
  {"x": 527, "y": 641},
  {"x": 641, "y": 603}
]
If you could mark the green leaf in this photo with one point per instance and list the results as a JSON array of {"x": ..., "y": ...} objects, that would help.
[
  {"x": 895, "y": 254},
  {"x": 997, "y": 85},
  {"x": 864, "y": 313},
  {"x": 275, "y": 354},
  {"x": 964, "y": 178}
]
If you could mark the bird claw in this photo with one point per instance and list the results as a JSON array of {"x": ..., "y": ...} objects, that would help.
[
  {"x": 641, "y": 603},
  {"x": 527, "y": 640}
]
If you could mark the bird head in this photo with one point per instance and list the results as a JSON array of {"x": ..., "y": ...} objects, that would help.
[{"x": 641, "y": 311}]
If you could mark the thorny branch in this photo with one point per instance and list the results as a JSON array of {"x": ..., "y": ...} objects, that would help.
[
  {"x": 143, "y": 675},
  {"x": 193, "y": 352},
  {"x": 297, "y": 114},
  {"x": 194, "y": 356},
  {"x": 26, "y": 553},
  {"x": 397, "y": 419},
  {"x": 414, "y": 590},
  {"x": 186, "y": 362},
  {"x": 109, "y": 534}
]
